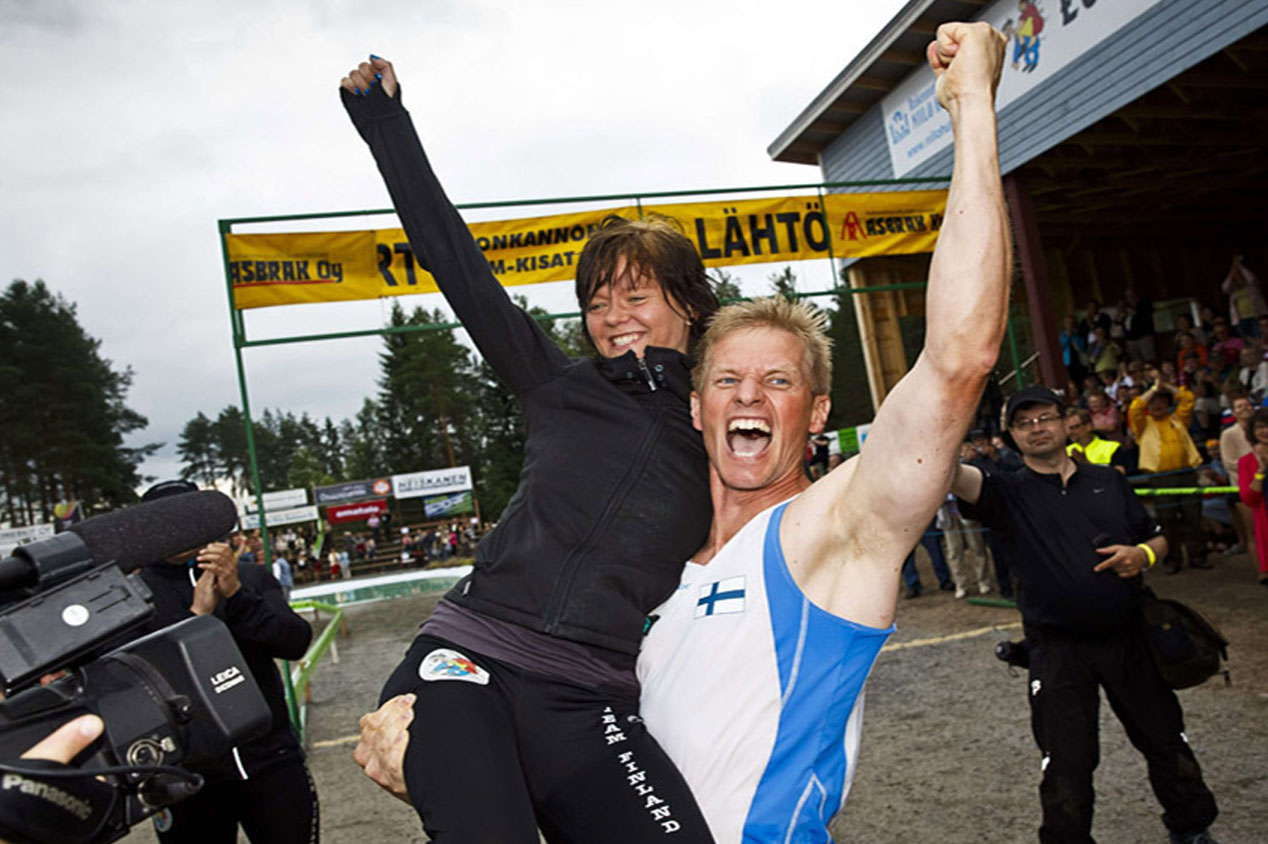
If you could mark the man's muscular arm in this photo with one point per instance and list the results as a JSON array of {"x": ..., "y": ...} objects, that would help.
[{"x": 846, "y": 537}]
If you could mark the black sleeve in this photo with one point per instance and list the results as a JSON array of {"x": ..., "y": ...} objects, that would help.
[
  {"x": 1139, "y": 523},
  {"x": 509, "y": 339},
  {"x": 258, "y": 613},
  {"x": 990, "y": 506}
]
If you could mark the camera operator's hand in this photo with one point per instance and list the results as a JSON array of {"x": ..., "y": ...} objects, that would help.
[
  {"x": 64, "y": 743},
  {"x": 218, "y": 558},
  {"x": 384, "y": 737},
  {"x": 205, "y": 595}
]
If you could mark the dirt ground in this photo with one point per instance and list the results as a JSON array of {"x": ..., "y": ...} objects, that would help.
[{"x": 947, "y": 754}]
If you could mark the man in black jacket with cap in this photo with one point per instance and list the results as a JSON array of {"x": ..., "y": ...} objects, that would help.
[
  {"x": 264, "y": 784},
  {"x": 1083, "y": 538}
]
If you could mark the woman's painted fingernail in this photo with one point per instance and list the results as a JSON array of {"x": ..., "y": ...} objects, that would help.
[
  {"x": 358, "y": 90},
  {"x": 378, "y": 76},
  {"x": 375, "y": 57}
]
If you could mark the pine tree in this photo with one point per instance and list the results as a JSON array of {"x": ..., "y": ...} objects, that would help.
[
  {"x": 726, "y": 287},
  {"x": 63, "y": 411},
  {"x": 199, "y": 450}
]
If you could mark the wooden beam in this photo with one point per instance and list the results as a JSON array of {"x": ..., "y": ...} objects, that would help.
[
  {"x": 1220, "y": 80},
  {"x": 847, "y": 107},
  {"x": 1117, "y": 162},
  {"x": 909, "y": 57},
  {"x": 1233, "y": 57},
  {"x": 1034, "y": 271},
  {"x": 1146, "y": 111},
  {"x": 873, "y": 83},
  {"x": 1251, "y": 43},
  {"x": 1165, "y": 139}
]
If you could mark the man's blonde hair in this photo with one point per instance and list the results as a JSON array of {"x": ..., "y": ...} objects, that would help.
[{"x": 807, "y": 324}]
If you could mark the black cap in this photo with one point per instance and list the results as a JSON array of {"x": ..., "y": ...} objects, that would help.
[
  {"x": 1032, "y": 396},
  {"x": 166, "y": 489}
]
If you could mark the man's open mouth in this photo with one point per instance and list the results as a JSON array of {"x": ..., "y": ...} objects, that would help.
[{"x": 747, "y": 437}]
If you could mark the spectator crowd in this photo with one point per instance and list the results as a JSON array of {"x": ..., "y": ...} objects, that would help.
[{"x": 1180, "y": 410}]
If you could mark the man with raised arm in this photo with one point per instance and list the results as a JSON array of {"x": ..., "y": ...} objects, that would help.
[{"x": 752, "y": 671}]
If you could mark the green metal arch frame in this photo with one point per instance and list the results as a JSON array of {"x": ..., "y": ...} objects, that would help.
[{"x": 238, "y": 325}]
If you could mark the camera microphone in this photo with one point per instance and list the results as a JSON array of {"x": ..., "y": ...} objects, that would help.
[{"x": 130, "y": 538}]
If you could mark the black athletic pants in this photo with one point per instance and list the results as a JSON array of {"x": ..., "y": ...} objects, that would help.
[
  {"x": 278, "y": 806},
  {"x": 497, "y": 754},
  {"x": 1181, "y": 520},
  {"x": 1064, "y": 674}
]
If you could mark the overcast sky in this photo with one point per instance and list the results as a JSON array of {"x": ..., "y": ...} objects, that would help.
[{"x": 132, "y": 126}]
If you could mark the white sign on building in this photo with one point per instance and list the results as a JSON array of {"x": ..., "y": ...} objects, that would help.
[
  {"x": 11, "y": 538},
  {"x": 1043, "y": 37},
  {"x": 282, "y": 517},
  {"x": 433, "y": 482},
  {"x": 282, "y": 499}
]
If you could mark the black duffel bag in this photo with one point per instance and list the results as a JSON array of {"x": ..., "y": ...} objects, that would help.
[{"x": 1186, "y": 646}]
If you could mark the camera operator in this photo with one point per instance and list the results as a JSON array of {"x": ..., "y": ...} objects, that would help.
[
  {"x": 1083, "y": 539},
  {"x": 263, "y": 785}
]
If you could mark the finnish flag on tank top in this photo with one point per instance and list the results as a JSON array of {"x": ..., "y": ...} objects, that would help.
[{"x": 721, "y": 596}]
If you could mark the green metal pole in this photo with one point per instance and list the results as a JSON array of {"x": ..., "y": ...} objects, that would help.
[
  {"x": 560, "y": 200},
  {"x": 827, "y": 230},
  {"x": 292, "y": 702},
  {"x": 239, "y": 340}
]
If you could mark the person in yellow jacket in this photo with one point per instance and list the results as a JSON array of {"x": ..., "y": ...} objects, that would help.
[
  {"x": 1085, "y": 446},
  {"x": 1159, "y": 419}
]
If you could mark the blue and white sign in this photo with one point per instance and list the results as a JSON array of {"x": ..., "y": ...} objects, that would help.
[
  {"x": 1043, "y": 37},
  {"x": 447, "y": 505}
]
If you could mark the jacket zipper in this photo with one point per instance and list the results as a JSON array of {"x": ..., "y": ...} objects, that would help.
[
  {"x": 647, "y": 374},
  {"x": 567, "y": 572}
]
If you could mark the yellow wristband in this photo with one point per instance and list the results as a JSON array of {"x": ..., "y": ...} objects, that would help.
[
  {"x": 1259, "y": 476},
  {"x": 1149, "y": 552}
]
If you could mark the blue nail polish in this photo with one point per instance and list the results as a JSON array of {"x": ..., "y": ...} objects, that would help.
[
  {"x": 378, "y": 76},
  {"x": 375, "y": 57},
  {"x": 358, "y": 90}
]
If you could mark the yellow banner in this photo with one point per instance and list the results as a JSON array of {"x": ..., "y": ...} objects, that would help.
[{"x": 286, "y": 269}]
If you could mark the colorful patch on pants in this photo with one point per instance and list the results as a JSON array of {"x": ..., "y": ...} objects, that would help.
[
  {"x": 163, "y": 820},
  {"x": 446, "y": 664}
]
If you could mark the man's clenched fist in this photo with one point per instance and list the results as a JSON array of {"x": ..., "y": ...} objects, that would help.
[{"x": 967, "y": 59}]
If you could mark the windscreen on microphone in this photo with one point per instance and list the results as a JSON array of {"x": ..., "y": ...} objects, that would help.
[{"x": 156, "y": 530}]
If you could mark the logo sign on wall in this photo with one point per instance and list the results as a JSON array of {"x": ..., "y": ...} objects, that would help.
[
  {"x": 352, "y": 491},
  {"x": 434, "y": 482},
  {"x": 292, "y": 516},
  {"x": 1042, "y": 38},
  {"x": 356, "y": 512},
  {"x": 435, "y": 507}
]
